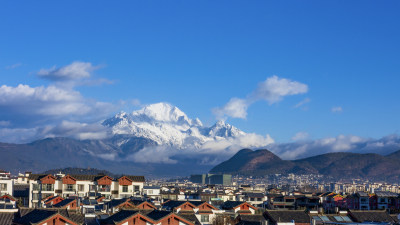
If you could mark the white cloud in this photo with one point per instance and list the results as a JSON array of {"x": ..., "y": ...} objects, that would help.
[
  {"x": 156, "y": 154},
  {"x": 300, "y": 136},
  {"x": 272, "y": 90},
  {"x": 302, "y": 102},
  {"x": 46, "y": 101},
  {"x": 5, "y": 123},
  {"x": 76, "y": 70},
  {"x": 16, "y": 65},
  {"x": 341, "y": 143},
  {"x": 236, "y": 108},
  {"x": 81, "y": 131},
  {"x": 337, "y": 109}
]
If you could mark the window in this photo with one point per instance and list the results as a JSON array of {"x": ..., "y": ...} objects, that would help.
[
  {"x": 69, "y": 187},
  {"x": 81, "y": 187},
  {"x": 149, "y": 192},
  {"x": 35, "y": 196},
  {"x": 3, "y": 186},
  {"x": 205, "y": 218},
  {"x": 47, "y": 187},
  {"x": 136, "y": 188},
  {"x": 92, "y": 187},
  {"x": 125, "y": 188}
]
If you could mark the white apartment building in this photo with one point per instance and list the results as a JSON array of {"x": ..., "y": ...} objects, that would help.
[
  {"x": 45, "y": 185},
  {"x": 6, "y": 183}
]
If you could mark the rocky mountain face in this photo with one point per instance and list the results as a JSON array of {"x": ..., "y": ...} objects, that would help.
[{"x": 337, "y": 165}]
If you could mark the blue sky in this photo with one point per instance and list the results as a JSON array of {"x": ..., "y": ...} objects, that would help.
[{"x": 198, "y": 55}]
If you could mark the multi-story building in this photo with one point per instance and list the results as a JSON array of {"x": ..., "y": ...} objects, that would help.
[
  {"x": 6, "y": 183},
  {"x": 43, "y": 186}
]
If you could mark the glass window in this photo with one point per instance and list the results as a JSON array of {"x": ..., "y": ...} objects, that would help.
[
  {"x": 81, "y": 187},
  {"x": 137, "y": 188},
  {"x": 35, "y": 187},
  {"x": 35, "y": 196},
  {"x": 125, "y": 188},
  {"x": 205, "y": 218}
]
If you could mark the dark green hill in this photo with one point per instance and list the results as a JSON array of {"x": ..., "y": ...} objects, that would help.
[{"x": 337, "y": 165}]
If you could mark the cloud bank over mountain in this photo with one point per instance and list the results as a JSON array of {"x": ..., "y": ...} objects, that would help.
[{"x": 156, "y": 133}]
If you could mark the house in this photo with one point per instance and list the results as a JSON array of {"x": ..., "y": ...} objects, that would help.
[
  {"x": 6, "y": 185},
  {"x": 45, "y": 185},
  {"x": 152, "y": 192},
  {"x": 309, "y": 203},
  {"x": 254, "y": 198},
  {"x": 287, "y": 217},
  {"x": 8, "y": 203},
  {"x": 282, "y": 202},
  {"x": 239, "y": 207}
]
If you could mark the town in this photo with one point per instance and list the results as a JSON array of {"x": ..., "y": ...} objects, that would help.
[{"x": 204, "y": 199}]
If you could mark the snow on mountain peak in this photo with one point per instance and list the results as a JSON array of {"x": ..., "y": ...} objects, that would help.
[
  {"x": 162, "y": 112},
  {"x": 222, "y": 129},
  {"x": 168, "y": 125}
]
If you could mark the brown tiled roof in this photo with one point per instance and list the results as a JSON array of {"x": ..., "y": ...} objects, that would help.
[{"x": 87, "y": 177}]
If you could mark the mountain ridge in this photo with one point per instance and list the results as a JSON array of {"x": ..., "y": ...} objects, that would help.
[{"x": 336, "y": 165}]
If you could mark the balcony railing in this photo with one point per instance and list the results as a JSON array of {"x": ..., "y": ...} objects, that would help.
[
  {"x": 104, "y": 189},
  {"x": 47, "y": 188},
  {"x": 69, "y": 189}
]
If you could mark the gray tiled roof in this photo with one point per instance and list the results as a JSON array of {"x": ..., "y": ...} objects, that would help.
[
  {"x": 371, "y": 216},
  {"x": 231, "y": 204},
  {"x": 191, "y": 217},
  {"x": 298, "y": 216},
  {"x": 6, "y": 218}
]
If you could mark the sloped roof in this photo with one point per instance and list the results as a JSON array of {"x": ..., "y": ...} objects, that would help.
[
  {"x": 136, "y": 178},
  {"x": 191, "y": 217},
  {"x": 254, "y": 195},
  {"x": 120, "y": 216},
  {"x": 63, "y": 203},
  {"x": 298, "y": 216},
  {"x": 6, "y": 218},
  {"x": 157, "y": 214},
  {"x": 38, "y": 215},
  {"x": 231, "y": 204},
  {"x": 371, "y": 216},
  {"x": 173, "y": 204},
  {"x": 116, "y": 202},
  {"x": 251, "y": 219}
]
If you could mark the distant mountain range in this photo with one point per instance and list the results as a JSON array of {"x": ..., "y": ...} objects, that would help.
[
  {"x": 337, "y": 165},
  {"x": 157, "y": 140},
  {"x": 160, "y": 140}
]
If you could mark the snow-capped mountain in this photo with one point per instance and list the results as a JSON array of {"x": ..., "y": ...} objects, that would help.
[{"x": 168, "y": 125}]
